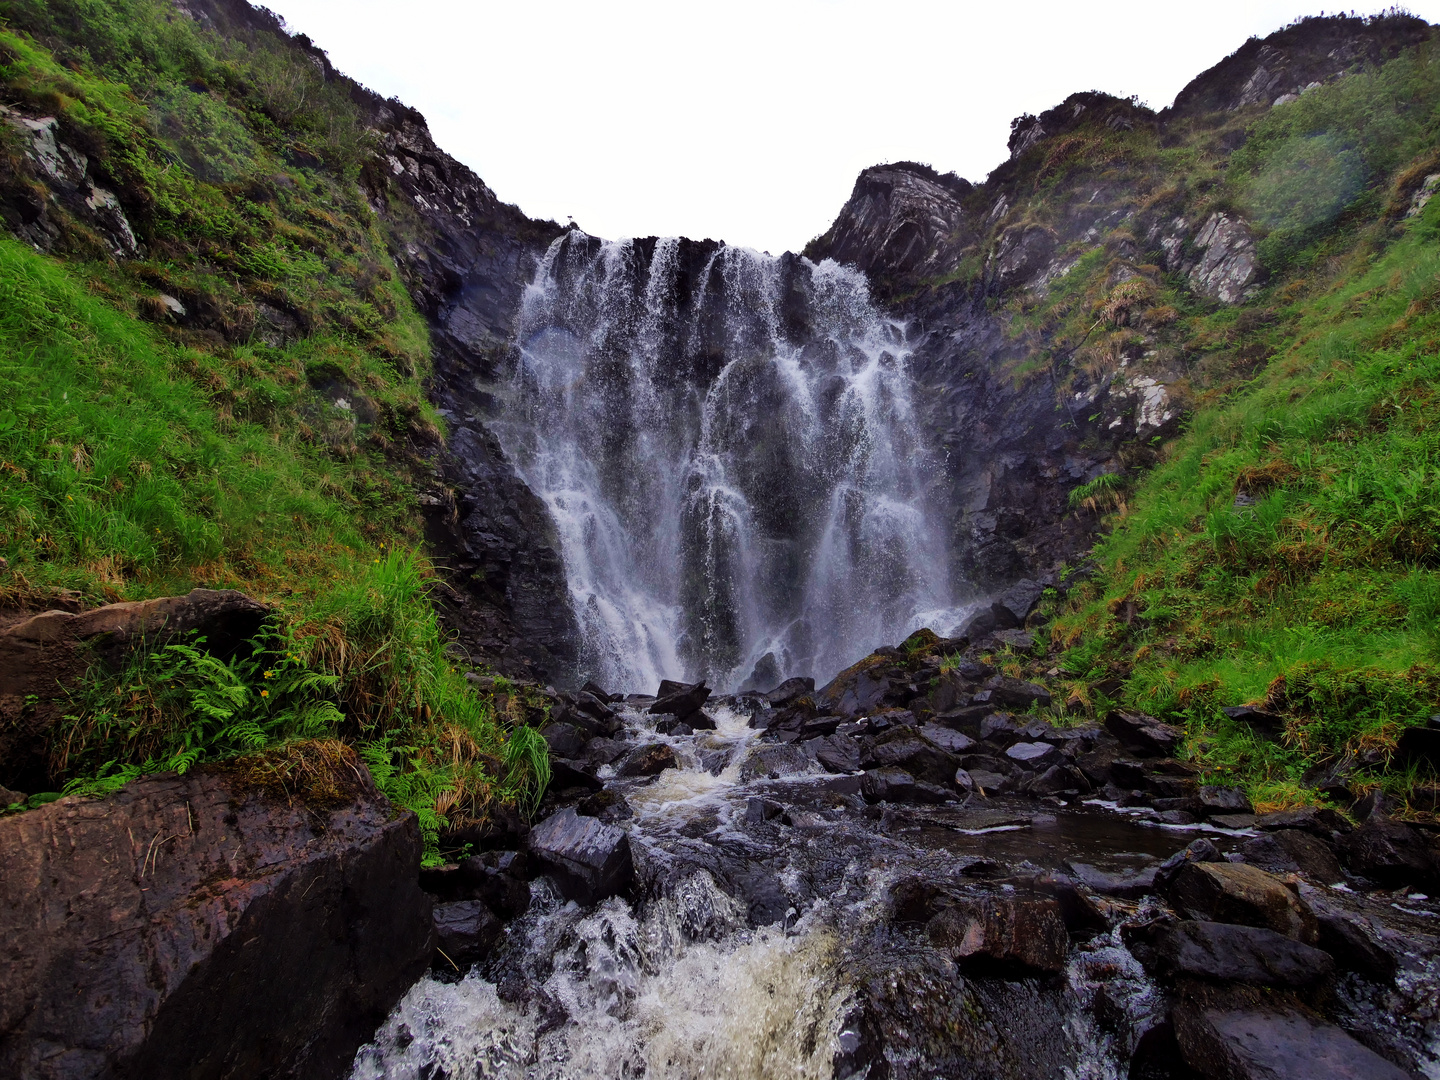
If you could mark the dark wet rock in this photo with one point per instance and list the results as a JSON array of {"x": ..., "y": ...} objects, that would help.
[
  {"x": 608, "y": 805},
  {"x": 680, "y": 699},
  {"x": 1078, "y": 908},
  {"x": 589, "y": 859},
  {"x": 1391, "y": 853},
  {"x": 1274, "y": 1044},
  {"x": 906, "y": 748},
  {"x": 599, "y": 693},
  {"x": 950, "y": 691},
  {"x": 565, "y": 740},
  {"x": 989, "y": 762},
  {"x": 819, "y": 726},
  {"x": 1322, "y": 821},
  {"x": 150, "y": 933},
  {"x": 991, "y": 783},
  {"x": 594, "y": 704},
  {"x": 1142, "y": 732},
  {"x": 789, "y": 691},
  {"x": 1000, "y": 729},
  {"x": 649, "y": 760},
  {"x": 858, "y": 689},
  {"x": 948, "y": 739},
  {"x": 1200, "y": 850},
  {"x": 602, "y": 751},
  {"x": 1214, "y": 799},
  {"x": 758, "y": 810},
  {"x": 1016, "y": 603},
  {"x": 465, "y": 930},
  {"x": 964, "y": 783},
  {"x": 1175, "y": 817},
  {"x": 1240, "y": 893},
  {"x": 500, "y": 879},
  {"x": 1356, "y": 947},
  {"x": 1000, "y": 691},
  {"x": 1058, "y": 780},
  {"x": 837, "y": 753},
  {"x": 966, "y": 720},
  {"x": 1233, "y": 821},
  {"x": 1265, "y": 723},
  {"x": 1294, "y": 851},
  {"x": 1033, "y": 755},
  {"x": 1420, "y": 744},
  {"x": 1127, "y": 774},
  {"x": 1004, "y": 930},
  {"x": 775, "y": 761},
  {"x": 1226, "y": 952},
  {"x": 1130, "y": 885},
  {"x": 888, "y": 785}
]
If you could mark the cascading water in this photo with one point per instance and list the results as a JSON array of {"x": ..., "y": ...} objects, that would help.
[{"x": 727, "y": 444}]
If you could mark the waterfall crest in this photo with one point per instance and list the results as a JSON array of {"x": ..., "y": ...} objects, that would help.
[{"x": 727, "y": 444}]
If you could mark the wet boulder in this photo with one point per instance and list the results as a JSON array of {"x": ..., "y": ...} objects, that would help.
[
  {"x": 858, "y": 689},
  {"x": 789, "y": 691},
  {"x": 650, "y": 759},
  {"x": 989, "y": 783},
  {"x": 1293, "y": 851},
  {"x": 887, "y": 785},
  {"x": 588, "y": 859},
  {"x": 565, "y": 740},
  {"x": 1001, "y": 691},
  {"x": 1127, "y": 885},
  {"x": 465, "y": 930},
  {"x": 152, "y": 932},
  {"x": 1214, "y": 799},
  {"x": 949, "y": 740},
  {"x": 777, "y": 760},
  {"x": 999, "y": 729},
  {"x": 905, "y": 748},
  {"x": 1225, "y": 952},
  {"x": 500, "y": 879},
  {"x": 683, "y": 702},
  {"x": 837, "y": 753},
  {"x": 1004, "y": 930},
  {"x": 1319, "y": 820},
  {"x": 1016, "y": 603},
  {"x": 1143, "y": 733},
  {"x": 1033, "y": 755},
  {"x": 1058, "y": 780},
  {"x": 1240, "y": 893},
  {"x": 1391, "y": 853},
  {"x": 1268, "y": 724},
  {"x": 1273, "y": 1044}
]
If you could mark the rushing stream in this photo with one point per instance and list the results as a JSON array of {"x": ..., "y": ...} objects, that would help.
[
  {"x": 794, "y": 968},
  {"x": 727, "y": 445}
]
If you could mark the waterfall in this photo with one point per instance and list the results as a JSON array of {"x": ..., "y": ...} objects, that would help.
[{"x": 727, "y": 443}]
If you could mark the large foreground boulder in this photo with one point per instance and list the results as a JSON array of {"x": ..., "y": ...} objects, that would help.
[
  {"x": 200, "y": 926},
  {"x": 588, "y": 859},
  {"x": 1274, "y": 1044}
]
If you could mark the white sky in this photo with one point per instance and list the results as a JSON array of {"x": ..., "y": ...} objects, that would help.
[{"x": 748, "y": 121}]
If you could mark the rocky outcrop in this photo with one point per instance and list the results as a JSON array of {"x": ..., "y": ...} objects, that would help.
[
  {"x": 44, "y": 656},
  {"x": 197, "y": 925}
]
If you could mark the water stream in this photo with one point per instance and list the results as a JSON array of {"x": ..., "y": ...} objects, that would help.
[
  {"x": 727, "y": 443},
  {"x": 765, "y": 949}
]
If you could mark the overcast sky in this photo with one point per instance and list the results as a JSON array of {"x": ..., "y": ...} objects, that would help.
[{"x": 748, "y": 121}]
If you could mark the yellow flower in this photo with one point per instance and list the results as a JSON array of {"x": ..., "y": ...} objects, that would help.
[{"x": 264, "y": 693}]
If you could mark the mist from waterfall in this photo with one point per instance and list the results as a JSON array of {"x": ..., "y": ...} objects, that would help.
[{"x": 727, "y": 444}]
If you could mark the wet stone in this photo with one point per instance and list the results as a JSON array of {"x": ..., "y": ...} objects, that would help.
[
  {"x": 776, "y": 761},
  {"x": 947, "y": 739},
  {"x": 1025, "y": 931},
  {"x": 1392, "y": 854},
  {"x": 589, "y": 859},
  {"x": 990, "y": 783},
  {"x": 837, "y": 753},
  {"x": 1033, "y": 755},
  {"x": 1224, "y": 952},
  {"x": 648, "y": 760},
  {"x": 1239, "y": 893},
  {"x": 1129, "y": 885},
  {"x": 1294, "y": 851},
  {"x": 888, "y": 785},
  {"x": 464, "y": 932},
  {"x": 1274, "y": 1044},
  {"x": 1142, "y": 732},
  {"x": 758, "y": 810},
  {"x": 1222, "y": 800}
]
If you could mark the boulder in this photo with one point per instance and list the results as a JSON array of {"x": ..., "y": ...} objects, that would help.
[
  {"x": 649, "y": 760},
  {"x": 858, "y": 689},
  {"x": 776, "y": 760},
  {"x": 1293, "y": 851},
  {"x": 151, "y": 933},
  {"x": 1143, "y": 733},
  {"x": 837, "y": 753},
  {"x": 1264, "y": 723},
  {"x": 990, "y": 783},
  {"x": 499, "y": 878},
  {"x": 1320, "y": 820},
  {"x": 1006, "y": 930},
  {"x": 465, "y": 930},
  {"x": 905, "y": 748},
  {"x": 1000, "y": 691},
  {"x": 1201, "y": 850},
  {"x": 1034, "y": 755},
  {"x": 1420, "y": 744},
  {"x": 758, "y": 810},
  {"x": 1016, "y": 603},
  {"x": 1214, "y": 799},
  {"x": 565, "y": 740},
  {"x": 588, "y": 859},
  {"x": 1355, "y": 946},
  {"x": 680, "y": 699},
  {"x": 887, "y": 785},
  {"x": 947, "y": 739},
  {"x": 1223, "y": 952},
  {"x": 789, "y": 691},
  {"x": 1273, "y": 1044},
  {"x": 1058, "y": 779},
  {"x": 1239, "y": 893},
  {"x": 1129, "y": 885},
  {"x": 1391, "y": 853},
  {"x": 999, "y": 729}
]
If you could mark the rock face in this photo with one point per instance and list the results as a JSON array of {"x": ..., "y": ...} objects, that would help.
[
  {"x": 1274, "y": 1044},
  {"x": 45, "y": 654},
  {"x": 187, "y": 926}
]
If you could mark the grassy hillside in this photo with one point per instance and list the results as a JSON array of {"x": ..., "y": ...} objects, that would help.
[
  {"x": 1283, "y": 552},
  {"x": 269, "y": 437}
]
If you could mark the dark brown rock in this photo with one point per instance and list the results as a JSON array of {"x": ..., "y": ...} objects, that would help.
[
  {"x": 1294, "y": 851},
  {"x": 1215, "y": 799},
  {"x": 905, "y": 748},
  {"x": 1144, "y": 733},
  {"x": 649, "y": 760},
  {"x": 1005, "y": 930},
  {"x": 1239, "y": 893},
  {"x": 1224, "y": 952},
  {"x": 1391, "y": 853},
  {"x": 465, "y": 930},
  {"x": 1273, "y": 1044},
  {"x": 190, "y": 926}
]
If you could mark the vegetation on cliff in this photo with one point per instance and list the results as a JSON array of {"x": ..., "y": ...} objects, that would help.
[{"x": 239, "y": 405}]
